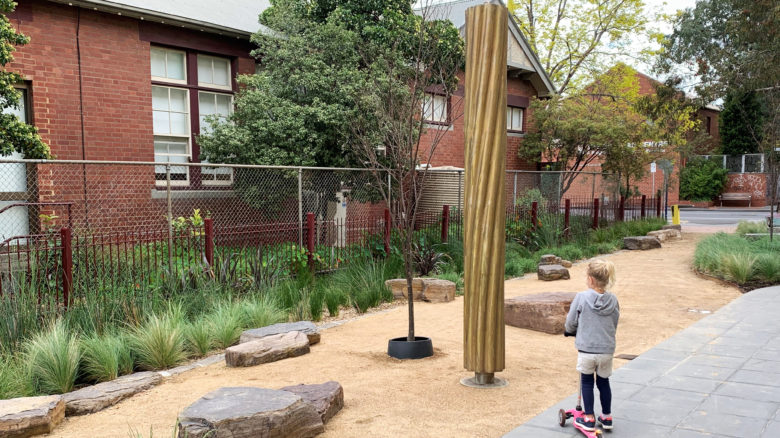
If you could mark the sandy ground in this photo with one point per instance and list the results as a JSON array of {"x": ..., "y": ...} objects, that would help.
[{"x": 658, "y": 292}]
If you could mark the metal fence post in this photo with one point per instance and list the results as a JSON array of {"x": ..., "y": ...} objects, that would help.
[
  {"x": 534, "y": 214},
  {"x": 595, "y": 213},
  {"x": 514, "y": 191},
  {"x": 387, "y": 232},
  {"x": 67, "y": 265},
  {"x": 658, "y": 206},
  {"x": 310, "y": 238},
  {"x": 445, "y": 223},
  {"x": 300, "y": 207},
  {"x": 170, "y": 216},
  {"x": 566, "y": 218},
  {"x": 644, "y": 199},
  {"x": 208, "y": 227},
  {"x": 622, "y": 209}
]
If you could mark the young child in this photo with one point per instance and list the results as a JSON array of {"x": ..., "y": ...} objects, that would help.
[{"x": 593, "y": 316}]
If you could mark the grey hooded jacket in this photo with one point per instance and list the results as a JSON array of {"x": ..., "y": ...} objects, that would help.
[{"x": 594, "y": 318}]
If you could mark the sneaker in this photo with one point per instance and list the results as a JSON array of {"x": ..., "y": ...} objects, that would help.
[
  {"x": 584, "y": 424},
  {"x": 605, "y": 422}
]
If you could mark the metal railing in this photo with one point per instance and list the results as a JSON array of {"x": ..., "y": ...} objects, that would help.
[{"x": 746, "y": 163}]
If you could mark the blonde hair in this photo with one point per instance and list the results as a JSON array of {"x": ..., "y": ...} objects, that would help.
[{"x": 603, "y": 273}]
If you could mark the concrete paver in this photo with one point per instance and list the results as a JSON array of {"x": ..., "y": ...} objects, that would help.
[{"x": 719, "y": 377}]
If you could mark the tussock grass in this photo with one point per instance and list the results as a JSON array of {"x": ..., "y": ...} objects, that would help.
[
  {"x": 158, "y": 343},
  {"x": 104, "y": 358},
  {"x": 226, "y": 324},
  {"x": 52, "y": 358},
  {"x": 198, "y": 340},
  {"x": 734, "y": 258},
  {"x": 262, "y": 311}
]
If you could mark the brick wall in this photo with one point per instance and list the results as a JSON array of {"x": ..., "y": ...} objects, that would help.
[{"x": 114, "y": 92}]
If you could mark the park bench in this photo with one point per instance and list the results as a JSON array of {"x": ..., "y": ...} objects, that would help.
[{"x": 736, "y": 197}]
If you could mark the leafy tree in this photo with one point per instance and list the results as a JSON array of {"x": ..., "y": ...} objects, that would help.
[
  {"x": 15, "y": 135},
  {"x": 733, "y": 47},
  {"x": 575, "y": 38},
  {"x": 424, "y": 54},
  {"x": 742, "y": 116},
  {"x": 702, "y": 180}
]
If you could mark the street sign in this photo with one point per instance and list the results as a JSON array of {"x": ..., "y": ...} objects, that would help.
[{"x": 652, "y": 167}]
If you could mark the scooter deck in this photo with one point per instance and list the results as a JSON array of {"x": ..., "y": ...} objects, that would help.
[{"x": 574, "y": 413}]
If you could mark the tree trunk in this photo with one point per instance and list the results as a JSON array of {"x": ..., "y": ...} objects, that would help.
[{"x": 409, "y": 271}]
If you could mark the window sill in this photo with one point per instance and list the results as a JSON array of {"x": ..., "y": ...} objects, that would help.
[
  {"x": 439, "y": 126},
  {"x": 161, "y": 193},
  {"x": 517, "y": 134}
]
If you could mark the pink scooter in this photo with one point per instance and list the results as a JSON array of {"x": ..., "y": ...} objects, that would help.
[{"x": 577, "y": 412}]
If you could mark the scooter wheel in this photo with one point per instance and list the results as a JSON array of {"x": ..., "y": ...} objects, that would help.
[{"x": 562, "y": 418}]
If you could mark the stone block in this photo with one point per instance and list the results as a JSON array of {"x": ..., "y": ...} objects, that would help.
[
  {"x": 659, "y": 234},
  {"x": 672, "y": 227},
  {"x": 545, "y": 312},
  {"x": 438, "y": 291},
  {"x": 98, "y": 397},
  {"x": 307, "y": 327},
  {"x": 399, "y": 287},
  {"x": 267, "y": 349},
  {"x": 552, "y": 272},
  {"x": 327, "y": 398},
  {"x": 550, "y": 259},
  {"x": 566, "y": 263},
  {"x": 641, "y": 242},
  {"x": 28, "y": 416},
  {"x": 250, "y": 412}
]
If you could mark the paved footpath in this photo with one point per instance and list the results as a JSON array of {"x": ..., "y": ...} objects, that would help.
[{"x": 719, "y": 377}]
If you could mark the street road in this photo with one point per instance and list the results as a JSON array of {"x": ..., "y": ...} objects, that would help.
[{"x": 720, "y": 217}]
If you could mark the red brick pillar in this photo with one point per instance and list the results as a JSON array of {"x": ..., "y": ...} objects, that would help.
[
  {"x": 67, "y": 265},
  {"x": 595, "y": 213},
  {"x": 310, "y": 238},
  {"x": 566, "y": 217},
  {"x": 644, "y": 199},
  {"x": 208, "y": 228},
  {"x": 534, "y": 214}
]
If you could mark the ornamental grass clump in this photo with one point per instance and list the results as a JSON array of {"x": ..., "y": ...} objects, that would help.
[
  {"x": 226, "y": 324},
  {"x": 738, "y": 267},
  {"x": 767, "y": 267},
  {"x": 261, "y": 312},
  {"x": 14, "y": 381},
  {"x": 104, "y": 358},
  {"x": 158, "y": 343},
  {"x": 198, "y": 340},
  {"x": 52, "y": 358}
]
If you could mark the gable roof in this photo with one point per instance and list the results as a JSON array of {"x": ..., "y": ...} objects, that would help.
[
  {"x": 521, "y": 59},
  {"x": 227, "y": 17}
]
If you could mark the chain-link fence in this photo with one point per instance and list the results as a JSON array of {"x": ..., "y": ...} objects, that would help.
[{"x": 72, "y": 226}]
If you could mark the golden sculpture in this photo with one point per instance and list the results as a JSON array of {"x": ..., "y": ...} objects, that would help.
[{"x": 485, "y": 197}]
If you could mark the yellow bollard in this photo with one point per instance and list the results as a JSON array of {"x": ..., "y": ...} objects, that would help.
[{"x": 675, "y": 214}]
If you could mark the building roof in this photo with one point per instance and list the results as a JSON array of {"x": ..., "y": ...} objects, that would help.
[
  {"x": 521, "y": 59},
  {"x": 228, "y": 17}
]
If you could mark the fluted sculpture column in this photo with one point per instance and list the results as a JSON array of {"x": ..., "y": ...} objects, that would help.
[{"x": 485, "y": 198}]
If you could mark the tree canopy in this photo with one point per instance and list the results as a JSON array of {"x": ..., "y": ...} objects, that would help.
[
  {"x": 15, "y": 135},
  {"x": 574, "y": 39},
  {"x": 741, "y": 123}
]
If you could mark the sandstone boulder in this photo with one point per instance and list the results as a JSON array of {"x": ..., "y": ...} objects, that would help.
[
  {"x": 438, "y": 291},
  {"x": 672, "y": 227},
  {"x": 250, "y": 412},
  {"x": 552, "y": 272},
  {"x": 307, "y": 327},
  {"x": 566, "y": 263},
  {"x": 641, "y": 242},
  {"x": 659, "y": 234},
  {"x": 28, "y": 416},
  {"x": 399, "y": 287},
  {"x": 98, "y": 397},
  {"x": 550, "y": 259},
  {"x": 545, "y": 312},
  {"x": 267, "y": 349},
  {"x": 327, "y": 398}
]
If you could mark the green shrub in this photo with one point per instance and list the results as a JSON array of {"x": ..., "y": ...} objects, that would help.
[
  {"x": 226, "y": 324},
  {"x": 261, "y": 312},
  {"x": 527, "y": 198},
  {"x": 702, "y": 180},
  {"x": 747, "y": 227},
  {"x": 198, "y": 339},
  {"x": 335, "y": 298},
  {"x": 570, "y": 252},
  {"x": 53, "y": 360},
  {"x": 767, "y": 266},
  {"x": 158, "y": 343},
  {"x": 101, "y": 356},
  {"x": 317, "y": 303},
  {"x": 738, "y": 267},
  {"x": 518, "y": 267},
  {"x": 14, "y": 380}
]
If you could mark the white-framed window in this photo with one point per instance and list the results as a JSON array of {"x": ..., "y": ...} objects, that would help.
[
  {"x": 169, "y": 65},
  {"x": 220, "y": 105},
  {"x": 171, "y": 115},
  {"x": 214, "y": 72},
  {"x": 514, "y": 118},
  {"x": 434, "y": 108}
]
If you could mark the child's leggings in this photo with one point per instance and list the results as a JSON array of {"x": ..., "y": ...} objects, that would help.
[{"x": 605, "y": 394}]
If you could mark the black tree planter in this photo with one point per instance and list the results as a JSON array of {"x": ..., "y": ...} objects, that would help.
[{"x": 400, "y": 348}]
